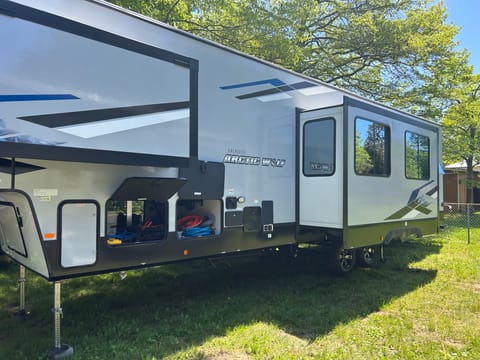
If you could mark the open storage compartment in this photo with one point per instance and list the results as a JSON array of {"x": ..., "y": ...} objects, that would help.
[
  {"x": 198, "y": 218},
  {"x": 136, "y": 221},
  {"x": 137, "y": 212}
]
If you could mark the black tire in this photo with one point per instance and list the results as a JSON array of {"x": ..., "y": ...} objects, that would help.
[
  {"x": 342, "y": 261},
  {"x": 367, "y": 256}
]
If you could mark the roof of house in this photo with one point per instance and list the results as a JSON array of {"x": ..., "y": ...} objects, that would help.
[{"x": 460, "y": 166}]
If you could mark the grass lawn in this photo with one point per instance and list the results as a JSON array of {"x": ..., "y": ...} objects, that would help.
[{"x": 422, "y": 303}]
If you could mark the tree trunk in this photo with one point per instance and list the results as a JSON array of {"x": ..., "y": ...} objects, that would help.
[{"x": 469, "y": 161}]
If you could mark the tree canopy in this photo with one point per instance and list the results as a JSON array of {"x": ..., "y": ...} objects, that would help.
[
  {"x": 461, "y": 129},
  {"x": 400, "y": 52}
]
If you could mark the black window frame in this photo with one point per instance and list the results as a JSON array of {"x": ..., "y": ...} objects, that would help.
[
  {"x": 405, "y": 156},
  {"x": 334, "y": 145},
  {"x": 387, "y": 149}
]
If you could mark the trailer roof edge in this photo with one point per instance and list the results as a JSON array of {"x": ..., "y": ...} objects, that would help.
[{"x": 166, "y": 26}]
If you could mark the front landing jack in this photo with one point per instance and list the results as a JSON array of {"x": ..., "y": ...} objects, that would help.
[
  {"x": 59, "y": 351},
  {"x": 62, "y": 352},
  {"x": 22, "y": 312}
]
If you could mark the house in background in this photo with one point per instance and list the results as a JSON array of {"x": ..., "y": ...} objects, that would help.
[{"x": 455, "y": 183}]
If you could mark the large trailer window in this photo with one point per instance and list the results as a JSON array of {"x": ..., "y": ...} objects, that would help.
[
  {"x": 319, "y": 147},
  {"x": 417, "y": 156},
  {"x": 372, "y": 148}
]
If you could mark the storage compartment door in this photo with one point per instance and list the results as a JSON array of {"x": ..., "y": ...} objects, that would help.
[
  {"x": 79, "y": 231},
  {"x": 11, "y": 237},
  {"x": 320, "y": 167},
  {"x": 19, "y": 231}
]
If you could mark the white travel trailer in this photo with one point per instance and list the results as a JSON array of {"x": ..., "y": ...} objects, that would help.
[{"x": 126, "y": 143}]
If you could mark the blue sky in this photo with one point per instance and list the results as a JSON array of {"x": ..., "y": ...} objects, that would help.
[{"x": 466, "y": 14}]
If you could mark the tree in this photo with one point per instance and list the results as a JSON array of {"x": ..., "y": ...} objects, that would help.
[
  {"x": 363, "y": 162},
  {"x": 461, "y": 129},
  {"x": 173, "y": 12},
  {"x": 387, "y": 50},
  {"x": 417, "y": 156},
  {"x": 400, "y": 52},
  {"x": 376, "y": 146}
]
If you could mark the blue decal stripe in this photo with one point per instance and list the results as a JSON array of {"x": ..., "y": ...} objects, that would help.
[
  {"x": 284, "y": 88},
  {"x": 36, "y": 97},
  {"x": 274, "y": 82},
  {"x": 414, "y": 194}
]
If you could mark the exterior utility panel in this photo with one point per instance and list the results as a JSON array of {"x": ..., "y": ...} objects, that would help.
[{"x": 127, "y": 143}]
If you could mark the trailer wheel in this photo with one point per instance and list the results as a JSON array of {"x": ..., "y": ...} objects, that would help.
[
  {"x": 342, "y": 261},
  {"x": 367, "y": 256}
]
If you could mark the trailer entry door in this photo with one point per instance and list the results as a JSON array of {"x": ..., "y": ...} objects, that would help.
[{"x": 320, "y": 168}]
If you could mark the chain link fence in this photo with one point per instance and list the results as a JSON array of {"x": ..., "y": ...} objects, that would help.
[{"x": 466, "y": 215}]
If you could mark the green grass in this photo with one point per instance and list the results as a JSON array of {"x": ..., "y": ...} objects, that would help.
[{"x": 423, "y": 303}]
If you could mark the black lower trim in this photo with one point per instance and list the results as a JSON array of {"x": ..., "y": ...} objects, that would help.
[{"x": 172, "y": 249}]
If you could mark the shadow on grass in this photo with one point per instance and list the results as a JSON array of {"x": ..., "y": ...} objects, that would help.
[{"x": 157, "y": 312}]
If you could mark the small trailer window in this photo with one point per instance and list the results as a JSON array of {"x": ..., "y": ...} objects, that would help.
[
  {"x": 135, "y": 221},
  {"x": 417, "y": 156},
  {"x": 319, "y": 147},
  {"x": 372, "y": 148}
]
